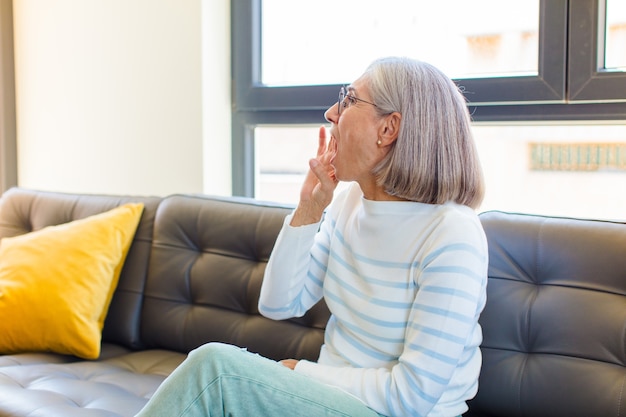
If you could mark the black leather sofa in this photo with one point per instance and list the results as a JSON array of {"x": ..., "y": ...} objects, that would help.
[{"x": 554, "y": 325}]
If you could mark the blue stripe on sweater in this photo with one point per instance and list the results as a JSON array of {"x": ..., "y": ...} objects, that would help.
[
  {"x": 374, "y": 321},
  {"x": 372, "y": 300},
  {"x": 359, "y": 330},
  {"x": 464, "y": 247},
  {"x": 370, "y": 280},
  {"x": 360, "y": 347},
  {"x": 438, "y": 333},
  {"x": 450, "y": 291},
  {"x": 314, "y": 279},
  {"x": 435, "y": 355},
  {"x": 415, "y": 389},
  {"x": 456, "y": 269},
  {"x": 427, "y": 374},
  {"x": 444, "y": 313},
  {"x": 289, "y": 307}
]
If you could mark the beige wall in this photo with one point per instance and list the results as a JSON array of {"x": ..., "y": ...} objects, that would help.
[
  {"x": 8, "y": 167},
  {"x": 110, "y": 95}
]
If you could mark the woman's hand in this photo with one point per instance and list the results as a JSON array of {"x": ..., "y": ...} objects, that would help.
[
  {"x": 319, "y": 185},
  {"x": 289, "y": 363}
]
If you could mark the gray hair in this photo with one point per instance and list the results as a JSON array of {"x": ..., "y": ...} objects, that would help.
[{"x": 434, "y": 159}]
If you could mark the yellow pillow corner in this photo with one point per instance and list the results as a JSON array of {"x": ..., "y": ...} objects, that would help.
[{"x": 56, "y": 283}]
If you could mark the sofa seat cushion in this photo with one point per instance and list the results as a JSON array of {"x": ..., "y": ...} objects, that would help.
[
  {"x": 107, "y": 351},
  {"x": 117, "y": 386}
]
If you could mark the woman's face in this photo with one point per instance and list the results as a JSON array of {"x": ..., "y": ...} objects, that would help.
[{"x": 355, "y": 132}]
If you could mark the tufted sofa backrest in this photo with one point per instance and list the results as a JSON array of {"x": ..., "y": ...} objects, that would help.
[
  {"x": 555, "y": 321},
  {"x": 192, "y": 275},
  {"x": 205, "y": 274},
  {"x": 23, "y": 210}
]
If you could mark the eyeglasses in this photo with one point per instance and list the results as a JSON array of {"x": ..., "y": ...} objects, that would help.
[{"x": 347, "y": 100}]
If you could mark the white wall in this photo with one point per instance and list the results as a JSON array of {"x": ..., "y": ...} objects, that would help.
[
  {"x": 216, "y": 93},
  {"x": 110, "y": 96}
]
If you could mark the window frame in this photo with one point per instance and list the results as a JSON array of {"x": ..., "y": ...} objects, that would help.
[
  {"x": 569, "y": 86},
  {"x": 588, "y": 82}
]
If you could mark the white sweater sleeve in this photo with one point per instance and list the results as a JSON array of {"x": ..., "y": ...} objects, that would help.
[{"x": 290, "y": 287}]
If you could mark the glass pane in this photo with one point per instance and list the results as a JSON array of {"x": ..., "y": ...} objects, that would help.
[
  {"x": 282, "y": 160},
  {"x": 615, "y": 47},
  {"x": 561, "y": 170},
  {"x": 332, "y": 41}
]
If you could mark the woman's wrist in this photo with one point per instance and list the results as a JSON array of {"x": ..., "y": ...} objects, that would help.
[{"x": 306, "y": 214}]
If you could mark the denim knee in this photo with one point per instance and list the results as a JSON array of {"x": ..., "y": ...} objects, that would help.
[
  {"x": 213, "y": 353},
  {"x": 213, "y": 349}
]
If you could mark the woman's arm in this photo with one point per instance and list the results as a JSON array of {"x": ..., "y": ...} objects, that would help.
[
  {"x": 293, "y": 277},
  {"x": 288, "y": 289}
]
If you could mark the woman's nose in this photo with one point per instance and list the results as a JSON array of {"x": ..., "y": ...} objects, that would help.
[{"x": 332, "y": 114}]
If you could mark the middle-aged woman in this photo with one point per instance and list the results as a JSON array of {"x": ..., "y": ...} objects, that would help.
[{"x": 399, "y": 257}]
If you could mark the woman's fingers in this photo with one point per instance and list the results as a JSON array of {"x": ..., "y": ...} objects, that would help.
[
  {"x": 321, "y": 144},
  {"x": 319, "y": 184}
]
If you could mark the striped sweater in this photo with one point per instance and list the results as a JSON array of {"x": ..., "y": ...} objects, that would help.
[{"x": 405, "y": 283}]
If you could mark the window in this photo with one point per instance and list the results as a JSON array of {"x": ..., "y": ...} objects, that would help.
[
  {"x": 552, "y": 169},
  {"x": 565, "y": 84},
  {"x": 480, "y": 46},
  {"x": 615, "y": 35},
  {"x": 537, "y": 75}
]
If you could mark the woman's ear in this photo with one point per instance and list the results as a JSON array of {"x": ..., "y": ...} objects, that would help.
[{"x": 389, "y": 129}]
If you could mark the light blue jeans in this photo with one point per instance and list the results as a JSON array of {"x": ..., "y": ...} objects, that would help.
[{"x": 224, "y": 380}]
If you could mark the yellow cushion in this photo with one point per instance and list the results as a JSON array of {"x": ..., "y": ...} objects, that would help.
[{"x": 56, "y": 283}]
